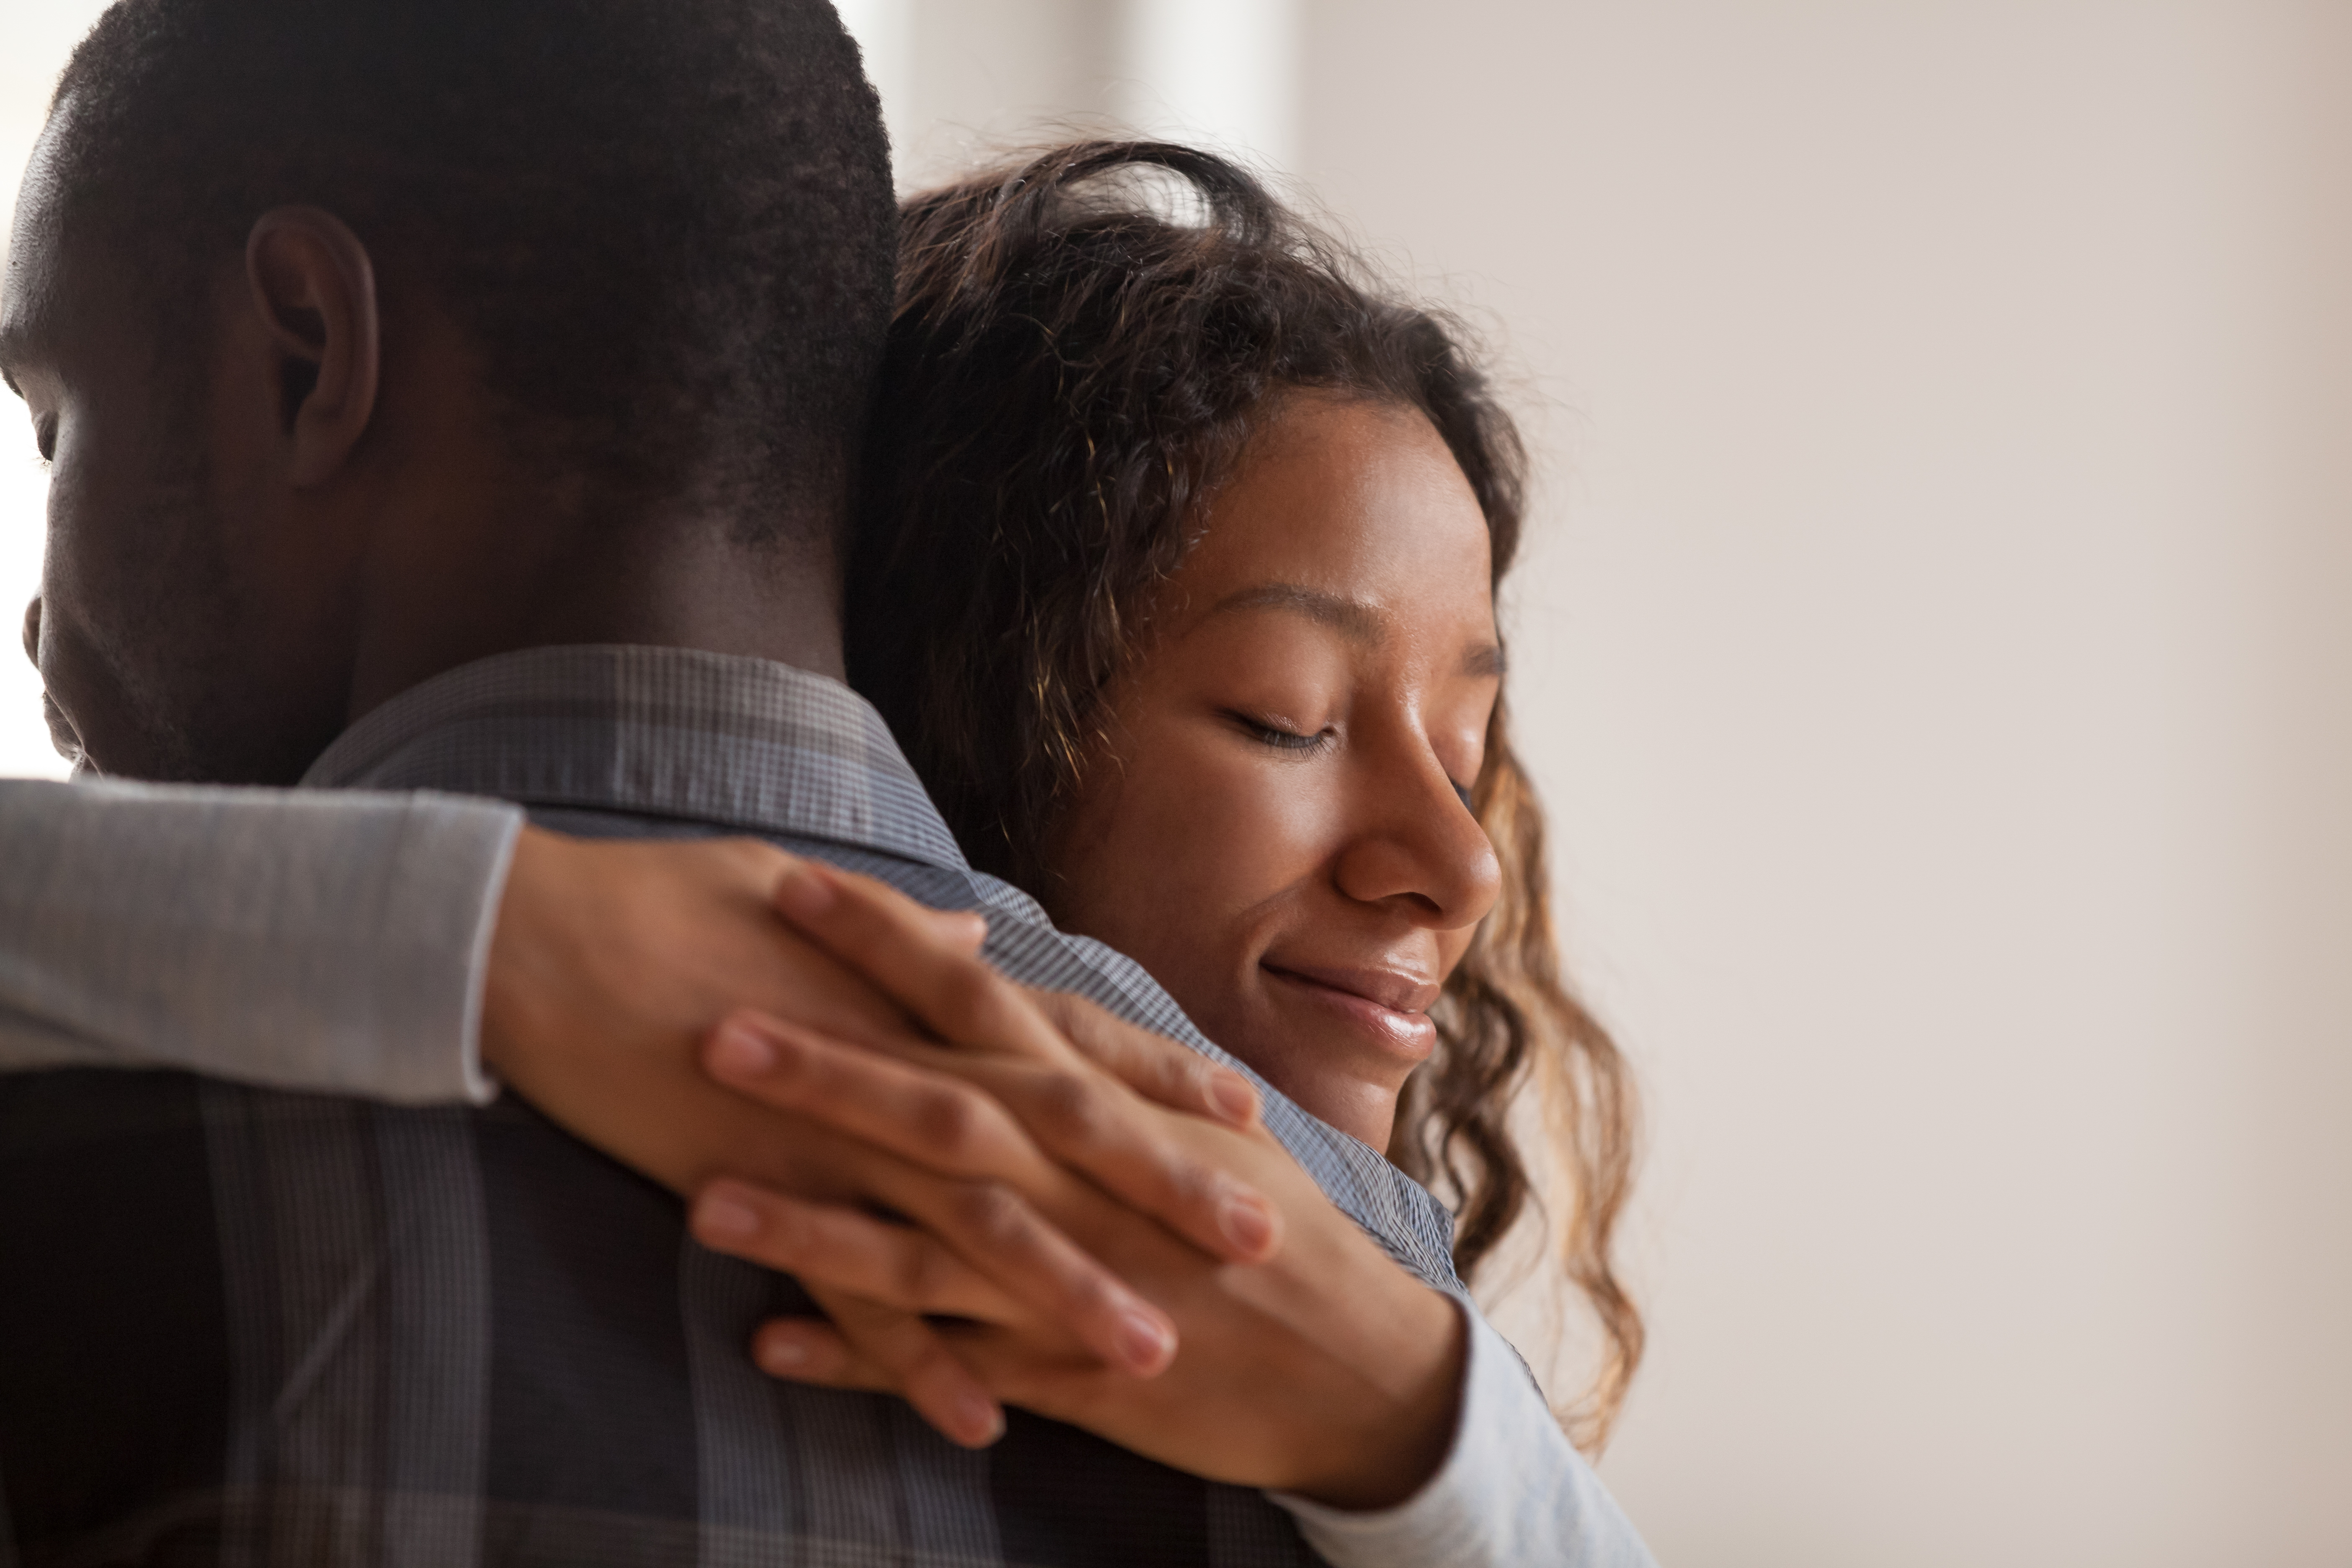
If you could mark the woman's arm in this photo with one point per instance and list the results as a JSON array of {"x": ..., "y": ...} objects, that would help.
[
  {"x": 359, "y": 944},
  {"x": 334, "y": 942},
  {"x": 1512, "y": 1490},
  {"x": 1411, "y": 1427},
  {"x": 1325, "y": 1370}
]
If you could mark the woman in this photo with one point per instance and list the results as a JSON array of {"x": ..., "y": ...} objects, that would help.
[{"x": 1176, "y": 576}]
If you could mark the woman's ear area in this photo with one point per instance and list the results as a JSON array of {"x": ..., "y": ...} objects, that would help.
[{"x": 313, "y": 292}]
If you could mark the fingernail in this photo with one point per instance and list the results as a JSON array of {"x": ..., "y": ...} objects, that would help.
[
  {"x": 979, "y": 1421},
  {"x": 783, "y": 1353},
  {"x": 1144, "y": 1341},
  {"x": 724, "y": 1215},
  {"x": 803, "y": 892},
  {"x": 740, "y": 1052},
  {"x": 965, "y": 928},
  {"x": 1235, "y": 1101},
  {"x": 1247, "y": 1224}
]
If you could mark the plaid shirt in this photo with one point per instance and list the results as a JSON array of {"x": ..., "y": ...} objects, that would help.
[{"x": 252, "y": 1327}]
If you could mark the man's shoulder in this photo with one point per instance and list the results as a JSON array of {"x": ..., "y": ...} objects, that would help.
[{"x": 1023, "y": 943}]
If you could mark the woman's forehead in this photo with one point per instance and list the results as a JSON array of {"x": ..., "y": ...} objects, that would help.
[{"x": 1360, "y": 503}]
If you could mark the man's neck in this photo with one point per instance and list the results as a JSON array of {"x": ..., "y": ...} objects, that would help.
[{"x": 683, "y": 583}]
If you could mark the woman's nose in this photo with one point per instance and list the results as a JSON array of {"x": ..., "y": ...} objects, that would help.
[{"x": 1418, "y": 847}]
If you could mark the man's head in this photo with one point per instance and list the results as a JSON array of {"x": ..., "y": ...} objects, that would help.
[{"x": 296, "y": 289}]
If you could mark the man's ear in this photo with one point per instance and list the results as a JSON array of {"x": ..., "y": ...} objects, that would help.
[{"x": 314, "y": 289}]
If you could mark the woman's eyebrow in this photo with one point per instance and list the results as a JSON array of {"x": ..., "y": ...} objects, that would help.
[
  {"x": 1486, "y": 659},
  {"x": 1352, "y": 618}
]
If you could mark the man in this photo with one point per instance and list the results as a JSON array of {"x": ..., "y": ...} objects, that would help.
[{"x": 346, "y": 493}]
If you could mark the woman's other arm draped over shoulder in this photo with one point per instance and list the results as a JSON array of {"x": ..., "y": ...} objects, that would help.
[
  {"x": 1325, "y": 1370},
  {"x": 1512, "y": 1490},
  {"x": 333, "y": 942}
]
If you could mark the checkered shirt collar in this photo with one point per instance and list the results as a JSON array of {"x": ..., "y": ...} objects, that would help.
[{"x": 701, "y": 737}]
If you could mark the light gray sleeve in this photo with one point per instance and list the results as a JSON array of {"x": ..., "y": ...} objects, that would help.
[
  {"x": 1512, "y": 1494},
  {"x": 334, "y": 941}
]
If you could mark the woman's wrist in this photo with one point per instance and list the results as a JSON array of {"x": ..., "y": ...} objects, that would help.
[{"x": 1382, "y": 1462}]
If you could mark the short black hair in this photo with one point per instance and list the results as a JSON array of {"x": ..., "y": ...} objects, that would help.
[{"x": 666, "y": 224}]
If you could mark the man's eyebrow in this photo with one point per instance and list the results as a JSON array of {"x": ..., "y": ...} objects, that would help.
[
  {"x": 1352, "y": 618},
  {"x": 1485, "y": 660}
]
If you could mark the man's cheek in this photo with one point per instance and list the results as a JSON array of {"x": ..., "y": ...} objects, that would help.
[
  {"x": 61, "y": 730},
  {"x": 97, "y": 582},
  {"x": 89, "y": 715}
]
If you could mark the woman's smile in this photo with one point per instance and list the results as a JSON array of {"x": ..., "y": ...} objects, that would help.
[{"x": 1387, "y": 1009}]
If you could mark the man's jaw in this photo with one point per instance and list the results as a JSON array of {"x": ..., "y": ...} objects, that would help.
[{"x": 61, "y": 734}]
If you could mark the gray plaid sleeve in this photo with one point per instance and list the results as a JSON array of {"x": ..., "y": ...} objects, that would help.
[{"x": 334, "y": 944}]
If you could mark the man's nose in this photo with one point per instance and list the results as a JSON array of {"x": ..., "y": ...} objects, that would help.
[{"x": 33, "y": 630}]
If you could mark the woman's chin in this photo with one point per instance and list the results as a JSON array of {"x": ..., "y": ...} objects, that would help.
[{"x": 1338, "y": 1064}]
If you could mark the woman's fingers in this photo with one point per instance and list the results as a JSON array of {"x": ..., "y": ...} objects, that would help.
[
  {"x": 995, "y": 1230},
  {"x": 987, "y": 1117},
  {"x": 942, "y": 1121},
  {"x": 839, "y": 1249},
  {"x": 1160, "y": 1069},
  {"x": 896, "y": 1351},
  {"x": 1000, "y": 1255},
  {"x": 1008, "y": 1368},
  {"x": 899, "y": 945},
  {"x": 964, "y": 930},
  {"x": 1089, "y": 1123},
  {"x": 810, "y": 1349}
]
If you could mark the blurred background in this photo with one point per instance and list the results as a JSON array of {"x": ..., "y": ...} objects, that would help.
[{"x": 1937, "y": 649}]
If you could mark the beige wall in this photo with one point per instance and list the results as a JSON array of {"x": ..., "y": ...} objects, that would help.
[
  {"x": 34, "y": 39},
  {"x": 1937, "y": 651},
  {"x": 1938, "y": 655}
]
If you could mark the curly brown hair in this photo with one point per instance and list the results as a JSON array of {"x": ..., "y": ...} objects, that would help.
[{"x": 1071, "y": 372}]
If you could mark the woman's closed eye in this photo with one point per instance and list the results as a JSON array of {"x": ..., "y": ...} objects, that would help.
[
  {"x": 1276, "y": 735},
  {"x": 1269, "y": 733}
]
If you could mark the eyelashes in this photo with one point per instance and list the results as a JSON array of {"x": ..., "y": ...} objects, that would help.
[
  {"x": 1280, "y": 739},
  {"x": 1291, "y": 740}
]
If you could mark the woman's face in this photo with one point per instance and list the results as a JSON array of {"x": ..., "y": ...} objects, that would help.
[{"x": 1273, "y": 824}]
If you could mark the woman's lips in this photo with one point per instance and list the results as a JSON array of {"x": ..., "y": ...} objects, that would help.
[{"x": 1392, "y": 1008}]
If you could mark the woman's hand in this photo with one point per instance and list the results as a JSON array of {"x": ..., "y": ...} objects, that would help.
[
  {"x": 612, "y": 962},
  {"x": 1326, "y": 1370}
]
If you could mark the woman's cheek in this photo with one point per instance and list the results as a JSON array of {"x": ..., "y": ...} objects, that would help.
[
  {"x": 1255, "y": 820},
  {"x": 1144, "y": 857},
  {"x": 1206, "y": 842}
]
